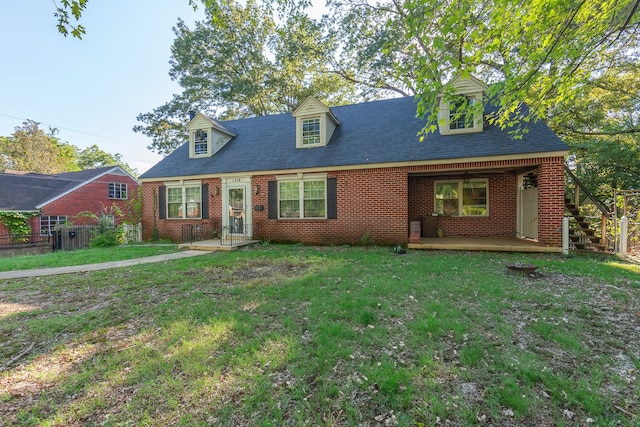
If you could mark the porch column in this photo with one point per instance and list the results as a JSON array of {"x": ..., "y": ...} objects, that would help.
[{"x": 550, "y": 201}]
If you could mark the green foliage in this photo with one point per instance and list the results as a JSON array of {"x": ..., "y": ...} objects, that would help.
[
  {"x": 31, "y": 149},
  {"x": 367, "y": 239},
  {"x": 602, "y": 127},
  {"x": 242, "y": 61},
  {"x": 539, "y": 51},
  {"x": 107, "y": 233},
  {"x": 93, "y": 157},
  {"x": 68, "y": 14},
  {"x": 17, "y": 223},
  {"x": 106, "y": 236}
]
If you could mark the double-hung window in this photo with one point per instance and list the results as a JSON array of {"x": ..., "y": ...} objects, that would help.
[
  {"x": 461, "y": 114},
  {"x": 117, "y": 190},
  {"x": 48, "y": 223},
  {"x": 311, "y": 131},
  {"x": 302, "y": 198},
  {"x": 200, "y": 143},
  {"x": 184, "y": 202},
  {"x": 462, "y": 198}
]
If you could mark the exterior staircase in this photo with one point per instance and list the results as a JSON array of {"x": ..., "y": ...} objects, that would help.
[{"x": 581, "y": 233}]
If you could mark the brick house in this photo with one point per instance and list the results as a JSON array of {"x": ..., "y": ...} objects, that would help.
[
  {"x": 339, "y": 175},
  {"x": 66, "y": 197}
]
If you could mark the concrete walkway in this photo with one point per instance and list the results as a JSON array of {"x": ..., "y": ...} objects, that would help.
[{"x": 17, "y": 274}]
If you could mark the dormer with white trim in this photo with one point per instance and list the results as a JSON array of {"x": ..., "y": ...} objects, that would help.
[
  {"x": 461, "y": 109},
  {"x": 206, "y": 136},
  {"x": 315, "y": 123}
]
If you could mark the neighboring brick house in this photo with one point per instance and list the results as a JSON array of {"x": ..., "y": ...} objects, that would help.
[
  {"x": 65, "y": 197},
  {"x": 340, "y": 175}
]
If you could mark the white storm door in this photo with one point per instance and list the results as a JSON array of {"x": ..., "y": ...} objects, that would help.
[{"x": 236, "y": 206}]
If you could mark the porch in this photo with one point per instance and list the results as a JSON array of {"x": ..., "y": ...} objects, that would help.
[
  {"x": 216, "y": 245},
  {"x": 212, "y": 238},
  {"x": 490, "y": 244}
]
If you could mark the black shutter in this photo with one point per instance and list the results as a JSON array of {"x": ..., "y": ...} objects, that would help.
[
  {"x": 162, "y": 202},
  {"x": 332, "y": 198},
  {"x": 205, "y": 201},
  {"x": 272, "y": 197}
]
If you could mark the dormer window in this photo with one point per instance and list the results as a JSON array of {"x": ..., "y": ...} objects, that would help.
[
  {"x": 206, "y": 136},
  {"x": 461, "y": 109},
  {"x": 459, "y": 115},
  {"x": 315, "y": 123},
  {"x": 200, "y": 143},
  {"x": 311, "y": 131}
]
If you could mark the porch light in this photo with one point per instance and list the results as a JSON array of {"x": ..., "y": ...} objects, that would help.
[{"x": 256, "y": 189}]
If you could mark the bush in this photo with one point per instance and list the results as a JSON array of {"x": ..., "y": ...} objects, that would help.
[{"x": 107, "y": 236}]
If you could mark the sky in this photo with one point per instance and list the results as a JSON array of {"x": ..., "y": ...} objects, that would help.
[{"x": 92, "y": 89}]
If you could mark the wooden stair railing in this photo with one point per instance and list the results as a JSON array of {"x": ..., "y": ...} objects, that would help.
[{"x": 581, "y": 234}]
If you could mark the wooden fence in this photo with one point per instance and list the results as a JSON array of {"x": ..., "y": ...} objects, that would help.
[{"x": 74, "y": 237}]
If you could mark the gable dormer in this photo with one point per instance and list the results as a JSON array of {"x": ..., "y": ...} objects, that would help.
[
  {"x": 206, "y": 136},
  {"x": 460, "y": 106},
  {"x": 315, "y": 123}
]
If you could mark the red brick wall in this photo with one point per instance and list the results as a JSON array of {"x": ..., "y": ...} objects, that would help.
[
  {"x": 381, "y": 202},
  {"x": 93, "y": 197},
  {"x": 172, "y": 228},
  {"x": 550, "y": 201},
  {"x": 372, "y": 204}
]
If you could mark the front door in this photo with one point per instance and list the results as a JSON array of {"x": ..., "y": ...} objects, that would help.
[
  {"x": 236, "y": 205},
  {"x": 237, "y": 210}
]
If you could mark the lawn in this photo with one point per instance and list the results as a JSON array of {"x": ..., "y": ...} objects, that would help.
[
  {"x": 331, "y": 336},
  {"x": 85, "y": 256}
]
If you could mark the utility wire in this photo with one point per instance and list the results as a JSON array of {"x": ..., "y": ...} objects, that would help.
[{"x": 72, "y": 130}]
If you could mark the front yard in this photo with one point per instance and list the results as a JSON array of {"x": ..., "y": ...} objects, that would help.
[{"x": 331, "y": 336}]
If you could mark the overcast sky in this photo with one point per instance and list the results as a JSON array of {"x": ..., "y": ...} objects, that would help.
[{"x": 90, "y": 89}]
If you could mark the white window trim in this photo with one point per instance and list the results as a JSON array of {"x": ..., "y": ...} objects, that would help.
[
  {"x": 121, "y": 185},
  {"x": 192, "y": 143},
  {"x": 445, "y": 114},
  {"x": 59, "y": 219},
  {"x": 460, "y": 183},
  {"x": 301, "y": 179},
  {"x": 183, "y": 185},
  {"x": 323, "y": 130}
]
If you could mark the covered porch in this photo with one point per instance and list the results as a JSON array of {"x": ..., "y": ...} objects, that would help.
[{"x": 514, "y": 206}]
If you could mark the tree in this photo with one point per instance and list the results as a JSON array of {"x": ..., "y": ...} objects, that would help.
[
  {"x": 602, "y": 127},
  {"x": 30, "y": 149},
  {"x": 241, "y": 61},
  {"x": 539, "y": 51},
  {"x": 93, "y": 157}
]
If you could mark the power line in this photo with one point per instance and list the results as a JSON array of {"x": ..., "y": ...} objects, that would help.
[{"x": 73, "y": 130}]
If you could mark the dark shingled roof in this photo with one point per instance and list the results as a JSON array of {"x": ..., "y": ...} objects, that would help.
[
  {"x": 26, "y": 192},
  {"x": 373, "y": 132}
]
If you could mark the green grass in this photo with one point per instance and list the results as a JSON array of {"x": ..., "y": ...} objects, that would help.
[
  {"x": 83, "y": 256},
  {"x": 294, "y": 335}
]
